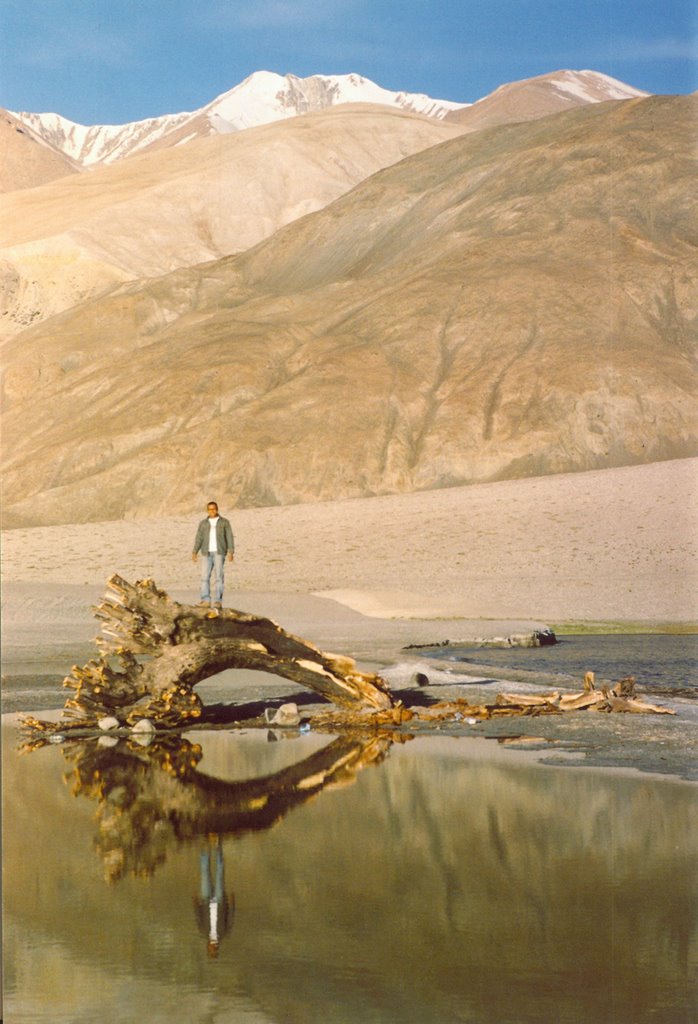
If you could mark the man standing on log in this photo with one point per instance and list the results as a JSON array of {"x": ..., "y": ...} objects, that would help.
[{"x": 214, "y": 539}]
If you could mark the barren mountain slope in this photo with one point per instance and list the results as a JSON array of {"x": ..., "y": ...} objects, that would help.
[
  {"x": 516, "y": 301},
  {"x": 153, "y": 213},
  {"x": 25, "y": 159}
]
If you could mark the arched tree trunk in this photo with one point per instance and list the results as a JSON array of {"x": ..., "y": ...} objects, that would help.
[{"x": 153, "y": 651}]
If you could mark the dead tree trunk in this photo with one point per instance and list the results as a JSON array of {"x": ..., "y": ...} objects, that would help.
[{"x": 153, "y": 651}]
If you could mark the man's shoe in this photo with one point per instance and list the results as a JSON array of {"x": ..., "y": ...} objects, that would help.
[
  {"x": 218, "y": 604},
  {"x": 204, "y": 604}
]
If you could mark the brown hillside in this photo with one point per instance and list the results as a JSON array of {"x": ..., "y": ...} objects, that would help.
[
  {"x": 517, "y": 301},
  {"x": 158, "y": 211}
]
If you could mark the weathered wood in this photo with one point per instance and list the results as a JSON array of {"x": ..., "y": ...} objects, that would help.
[
  {"x": 154, "y": 651},
  {"x": 527, "y": 699},
  {"x": 619, "y": 698}
]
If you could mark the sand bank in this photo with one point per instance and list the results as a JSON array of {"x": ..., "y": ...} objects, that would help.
[
  {"x": 617, "y": 544},
  {"x": 371, "y": 575}
]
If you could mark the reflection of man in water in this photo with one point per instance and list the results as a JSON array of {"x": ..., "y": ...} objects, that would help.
[{"x": 212, "y": 907}]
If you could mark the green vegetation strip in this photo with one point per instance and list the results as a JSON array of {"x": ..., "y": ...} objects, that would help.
[{"x": 608, "y": 628}]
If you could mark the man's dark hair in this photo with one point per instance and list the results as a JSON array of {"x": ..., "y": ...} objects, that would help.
[{"x": 212, "y": 503}]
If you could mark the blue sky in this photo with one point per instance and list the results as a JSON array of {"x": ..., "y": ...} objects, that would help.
[{"x": 112, "y": 61}]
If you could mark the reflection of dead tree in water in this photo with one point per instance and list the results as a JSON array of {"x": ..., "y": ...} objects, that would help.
[
  {"x": 151, "y": 797},
  {"x": 154, "y": 651}
]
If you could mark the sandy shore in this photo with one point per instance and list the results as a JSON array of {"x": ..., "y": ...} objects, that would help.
[{"x": 615, "y": 544}]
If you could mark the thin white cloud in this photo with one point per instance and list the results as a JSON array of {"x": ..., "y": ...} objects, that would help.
[
  {"x": 654, "y": 49},
  {"x": 628, "y": 50},
  {"x": 270, "y": 14},
  {"x": 84, "y": 46}
]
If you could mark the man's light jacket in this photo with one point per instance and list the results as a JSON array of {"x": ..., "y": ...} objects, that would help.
[{"x": 224, "y": 537}]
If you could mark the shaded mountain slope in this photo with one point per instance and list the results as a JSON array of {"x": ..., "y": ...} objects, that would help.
[
  {"x": 516, "y": 301},
  {"x": 153, "y": 213},
  {"x": 26, "y": 160}
]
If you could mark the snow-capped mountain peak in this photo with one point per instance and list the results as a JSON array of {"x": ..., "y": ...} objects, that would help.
[
  {"x": 265, "y": 96},
  {"x": 103, "y": 143},
  {"x": 576, "y": 86},
  {"x": 261, "y": 98}
]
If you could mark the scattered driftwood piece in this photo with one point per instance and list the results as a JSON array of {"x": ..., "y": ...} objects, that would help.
[
  {"x": 527, "y": 699},
  {"x": 154, "y": 651},
  {"x": 455, "y": 711},
  {"x": 620, "y": 698},
  {"x": 637, "y": 706},
  {"x": 581, "y": 701},
  {"x": 347, "y": 719},
  {"x": 536, "y": 638}
]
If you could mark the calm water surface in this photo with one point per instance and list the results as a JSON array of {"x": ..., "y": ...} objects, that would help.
[
  {"x": 224, "y": 877},
  {"x": 659, "y": 662}
]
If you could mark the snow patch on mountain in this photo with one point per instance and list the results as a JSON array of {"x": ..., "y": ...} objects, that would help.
[
  {"x": 576, "y": 87},
  {"x": 593, "y": 86},
  {"x": 99, "y": 144},
  {"x": 265, "y": 97}
]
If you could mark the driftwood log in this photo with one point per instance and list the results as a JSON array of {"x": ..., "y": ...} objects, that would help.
[{"x": 153, "y": 651}]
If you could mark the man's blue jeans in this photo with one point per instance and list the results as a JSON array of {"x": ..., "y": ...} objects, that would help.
[
  {"x": 211, "y": 561},
  {"x": 208, "y": 891}
]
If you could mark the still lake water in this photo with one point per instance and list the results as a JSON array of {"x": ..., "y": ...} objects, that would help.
[
  {"x": 222, "y": 877},
  {"x": 661, "y": 663}
]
